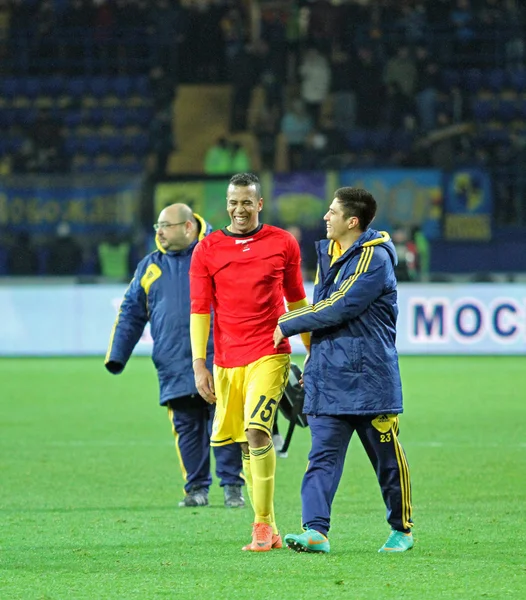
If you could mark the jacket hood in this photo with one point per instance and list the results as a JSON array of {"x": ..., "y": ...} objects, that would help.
[
  {"x": 371, "y": 237},
  {"x": 203, "y": 227}
]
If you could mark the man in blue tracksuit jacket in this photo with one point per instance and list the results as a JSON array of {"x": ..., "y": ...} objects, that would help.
[
  {"x": 352, "y": 380},
  {"x": 160, "y": 293}
]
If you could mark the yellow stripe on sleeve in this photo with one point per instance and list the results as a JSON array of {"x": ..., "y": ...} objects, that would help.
[
  {"x": 363, "y": 265},
  {"x": 298, "y": 304},
  {"x": 199, "y": 332}
]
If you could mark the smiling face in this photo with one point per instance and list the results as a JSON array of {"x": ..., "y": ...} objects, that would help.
[
  {"x": 243, "y": 206},
  {"x": 339, "y": 227}
]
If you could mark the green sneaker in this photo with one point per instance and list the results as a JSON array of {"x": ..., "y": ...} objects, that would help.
[
  {"x": 398, "y": 541},
  {"x": 308, "y": 541}
]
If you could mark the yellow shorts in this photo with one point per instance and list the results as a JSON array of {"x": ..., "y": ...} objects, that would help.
[{"x": 248, "y": 397}]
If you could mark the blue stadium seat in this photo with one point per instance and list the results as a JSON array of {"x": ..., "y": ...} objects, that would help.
[
  {"x": 91, "y": 145},
  {"x": 72, "y": 118},
  {"x": 507, "y": 109},
  {"x": 521, "y": 108},
  {"x": 95, "y": 116},
  {"x": 483, "y": 109},
  {"x": 472, "y": 80},
  {"x": 138, "y": 144},
  {"x": 122, "y": 86},
  {"x": 54, "y": 86},
  {"x": 131, "y": 164},
  {"x": 357, "y": 140},
  {"x": 108, "y": 166},
  {"x": 89, "y": 264},
  {"x": 517, "y": 80},
  {"x": 378, "y": 140},
  {"x": 77, "y": 87},
  {"x": 15, "y": 143},
  {"x": 8, "y": 118},
  {"x": 141, "y": 116},
  {"x": 25, "y": 117},
  {"x": 401, "y": 140},
  {"x": 4, "y": 146},
  {"x": 99, "y": 86},
  {"x": 443, "y": 104},
  {"x": 142, "y": 86},
  {"x": 450, "y": 78},
  {"x": 3, "y": 260},
  {"x": 496, "y": 134},
  {"x": 72, "y": 145},
  {"x": 118, "y": 117},
  {"x": 42, "y": 259},
  {"x": 31, "y": 87},
  {"x": 495, "y": 79},
  {"x": 115, "y": 145},
  {"x": 88, "y": 166},
  {"x": 10, "y": 87}
]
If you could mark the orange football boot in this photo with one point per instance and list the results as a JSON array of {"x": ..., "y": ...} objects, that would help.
[{"x": 262, "y": 538}]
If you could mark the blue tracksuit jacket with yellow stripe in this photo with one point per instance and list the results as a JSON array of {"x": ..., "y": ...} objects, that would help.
[
  {"x": 160, "y": 293},
  {"x": 353, "y": 365}
]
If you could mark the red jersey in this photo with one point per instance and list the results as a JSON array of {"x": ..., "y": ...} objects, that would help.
[{"x": 244, "y": 279}]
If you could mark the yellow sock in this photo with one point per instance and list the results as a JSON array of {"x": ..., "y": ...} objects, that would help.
[
  {"x": 248, "y": 476},
  {"x": 263, "y": 469}
]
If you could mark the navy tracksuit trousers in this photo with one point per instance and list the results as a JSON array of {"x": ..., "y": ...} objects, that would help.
[
  {"x": 191, "y": 419},
  {"x": 331, "y": 436}
]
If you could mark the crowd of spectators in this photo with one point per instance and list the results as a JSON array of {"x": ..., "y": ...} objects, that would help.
[
  {"x": 343, "y": 83},
  {"x": 359, "y": 64},
  {"x": 389, "y": 76}
]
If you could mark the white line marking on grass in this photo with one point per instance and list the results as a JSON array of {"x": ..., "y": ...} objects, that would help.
[
  {"x": 106, "y": 443},
  {"x": 433, "y": 444},
  {"x": 463, "y": 445}
]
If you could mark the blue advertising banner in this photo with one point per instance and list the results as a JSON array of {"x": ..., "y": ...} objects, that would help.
[
  {"x": 468, "y": 205},
  {"x": 88, "y": 204},
  {"x": 406, "y": 197}
]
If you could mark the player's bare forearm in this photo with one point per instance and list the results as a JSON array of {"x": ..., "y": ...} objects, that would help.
[
  {"x": 204, "y": 381},
  {"x": 278, "y": 336}
]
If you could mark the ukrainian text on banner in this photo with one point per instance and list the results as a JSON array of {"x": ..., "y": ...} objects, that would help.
[
  {"x": 468, "y": 205},
  {"x": 40, "y": 203},
  {"x": 406, "y": 197},
  {"x": 61, "y": 320}
]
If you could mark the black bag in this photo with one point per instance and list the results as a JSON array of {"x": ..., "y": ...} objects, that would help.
[{"x": 291, "y": 405}]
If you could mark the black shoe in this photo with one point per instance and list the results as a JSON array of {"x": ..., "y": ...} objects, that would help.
[
  {"x": 233, "y": 496},
  {"x": 195, "y": 497}
]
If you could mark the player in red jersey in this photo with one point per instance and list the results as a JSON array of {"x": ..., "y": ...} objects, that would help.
[{"x": 243, "y": 272}]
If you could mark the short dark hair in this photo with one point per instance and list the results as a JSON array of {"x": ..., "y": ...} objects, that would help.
[
  {"x": 357, "y": 203},
  {"x": 246, "y": 179}
]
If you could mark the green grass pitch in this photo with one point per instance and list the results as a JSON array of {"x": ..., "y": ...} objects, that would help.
[{"x": 89, "y": 485}]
